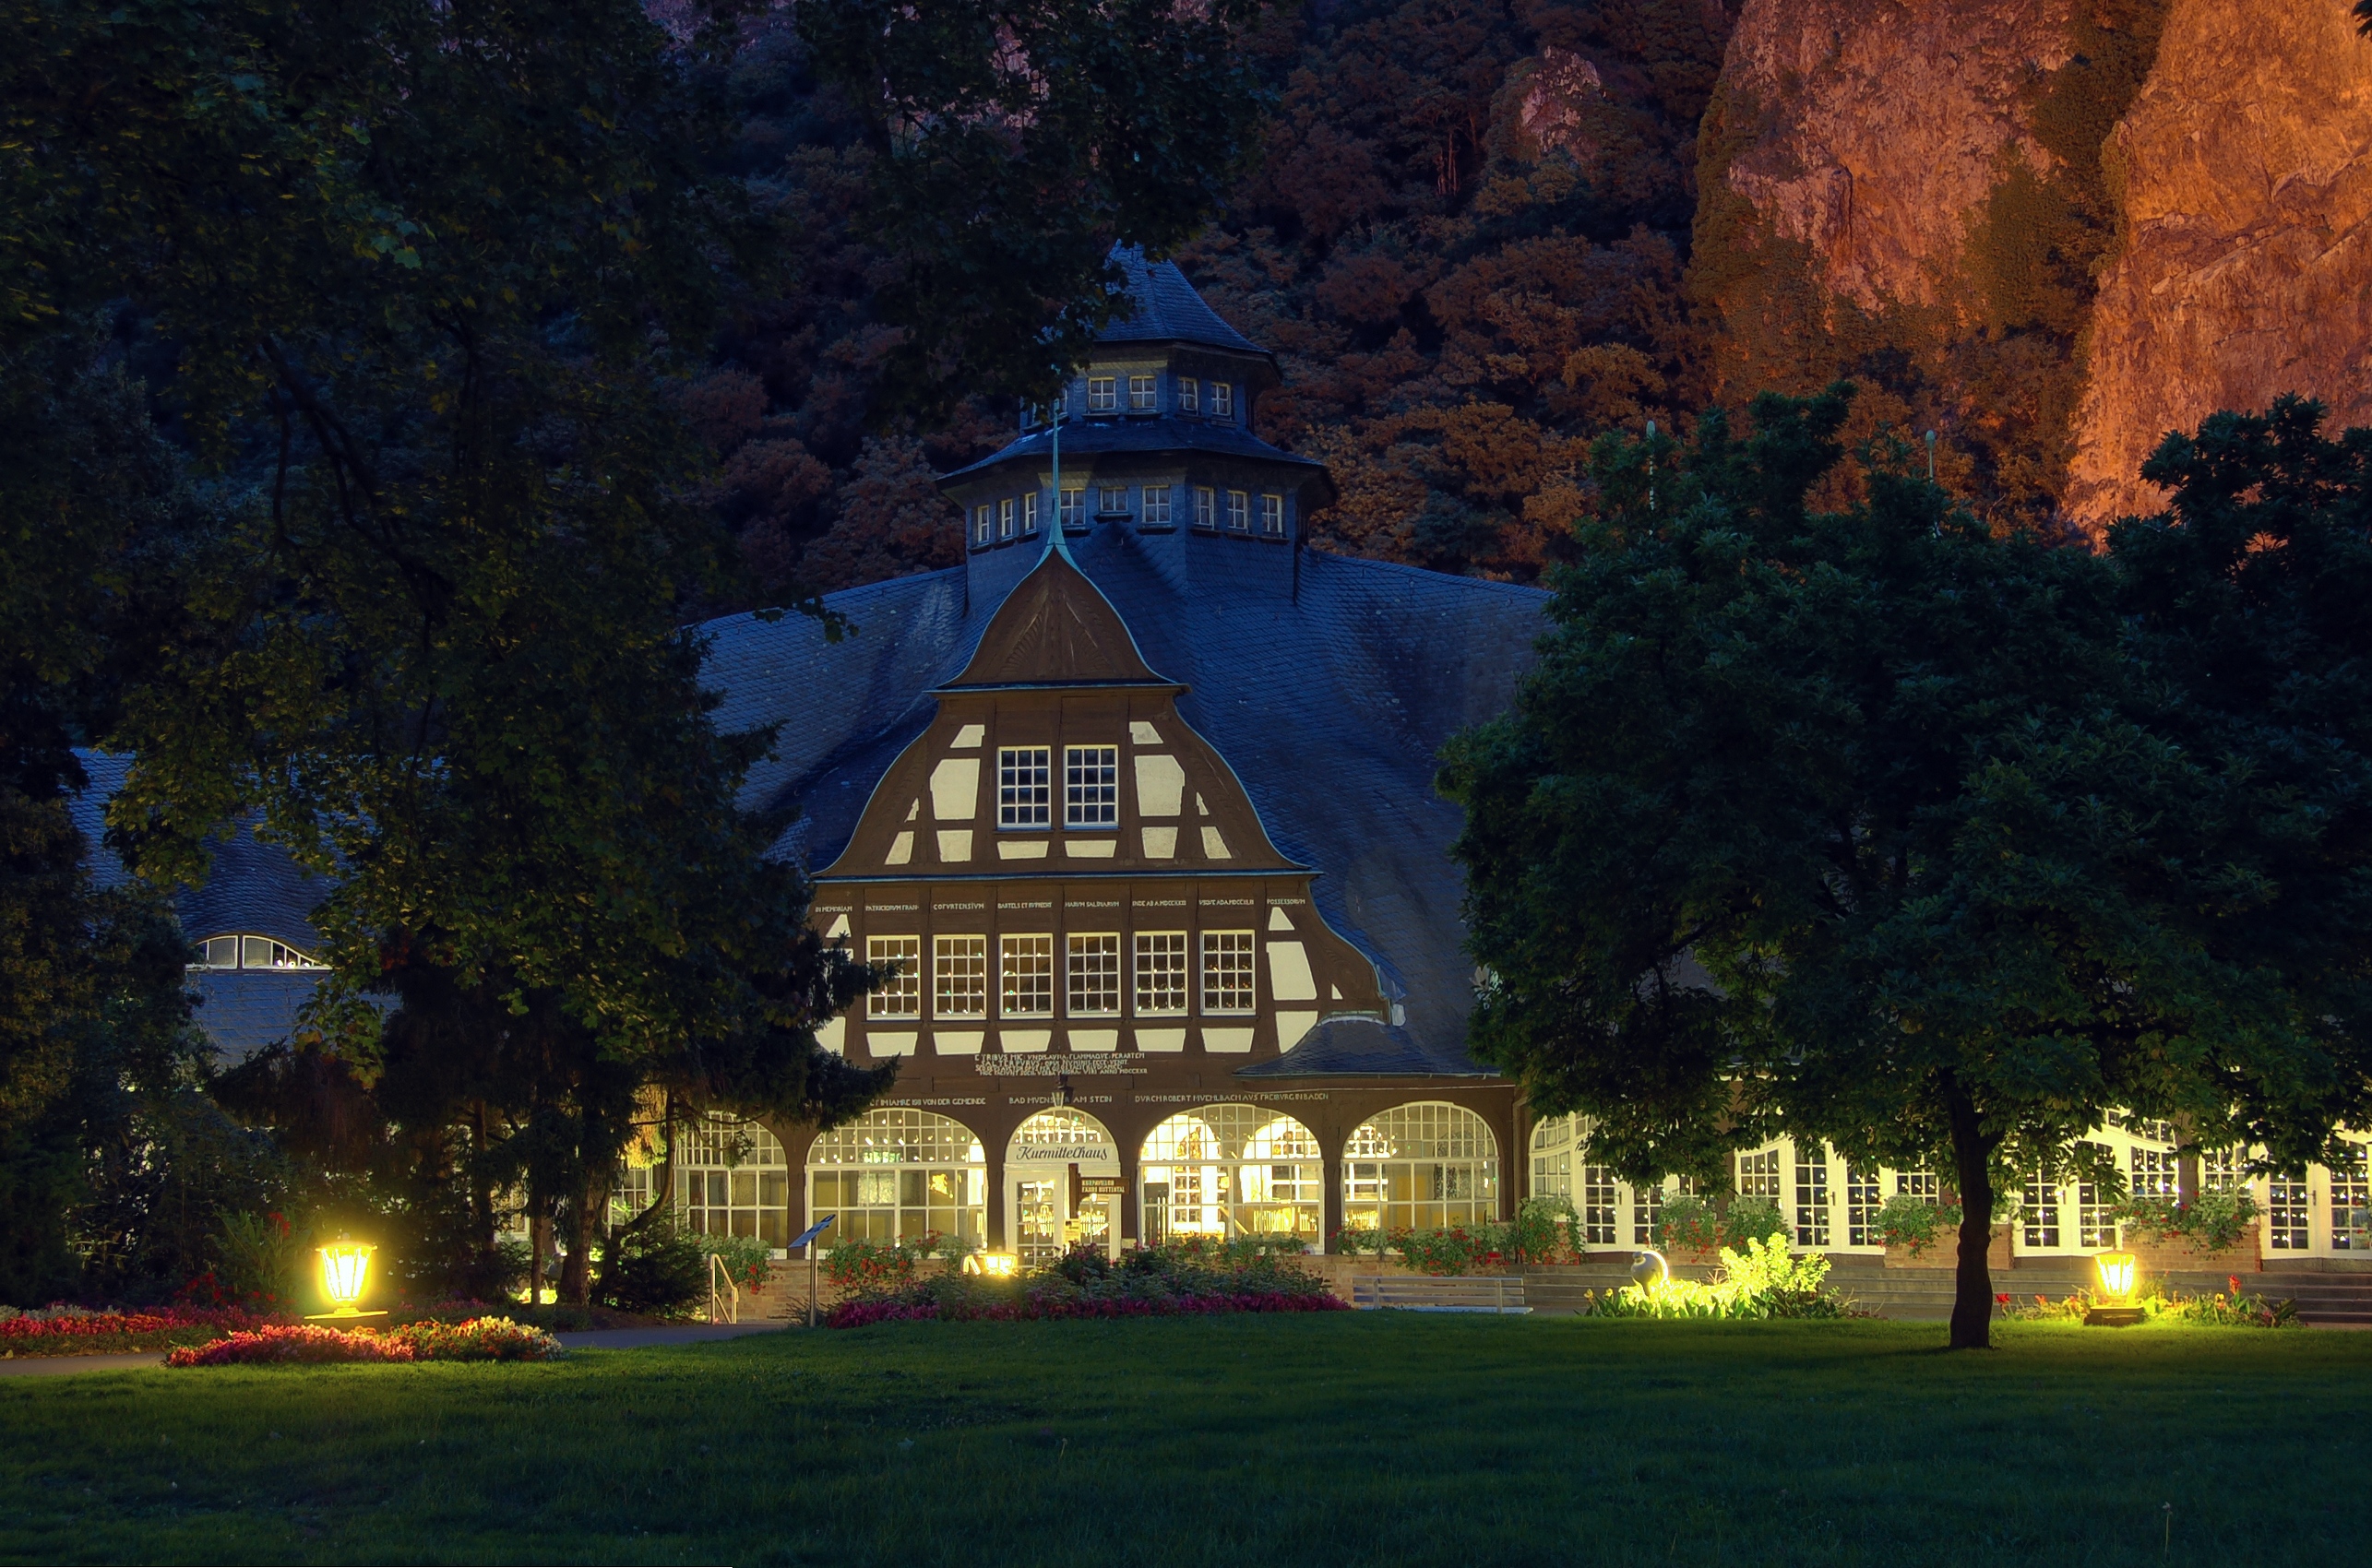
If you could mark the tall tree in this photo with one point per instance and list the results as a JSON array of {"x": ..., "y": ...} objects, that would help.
[{"x": 1854, "y": 824}]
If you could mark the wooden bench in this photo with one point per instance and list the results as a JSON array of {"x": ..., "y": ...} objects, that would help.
[{"x": 1500, "y": 1293}]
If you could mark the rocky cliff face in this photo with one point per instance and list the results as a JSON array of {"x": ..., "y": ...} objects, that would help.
[
  {"x": 2246, "y": 266},
  {"x": 2056, "y": 229}
]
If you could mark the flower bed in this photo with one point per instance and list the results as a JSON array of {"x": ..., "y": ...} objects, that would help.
[
  {"x": 77, "y": 1331},
  {"x": 2239, "y": 1309},
  {"x": 1763, "y": 1281},
  {"x": 481, "y": 1339},
  {"x": 1145, "y": 1282}
]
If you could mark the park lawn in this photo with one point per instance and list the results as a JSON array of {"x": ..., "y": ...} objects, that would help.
[{"x": 1367, "y": 1439}]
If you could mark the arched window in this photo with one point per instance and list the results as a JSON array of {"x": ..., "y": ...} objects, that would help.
[
  {"x": 892, "y": 1175},
  {"x": 1224, "y": 1170},
  {"x": 1048, "y": 1212},
  {"x": 733, "y": 1179},
  {"x": 242, "y": 952},
  {"x": 1421, "y": 1166}
]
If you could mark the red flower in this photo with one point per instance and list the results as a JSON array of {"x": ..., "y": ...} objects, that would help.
[{"x": 2002, "y": 1299}]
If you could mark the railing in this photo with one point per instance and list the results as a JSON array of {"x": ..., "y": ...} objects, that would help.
[
  {"x": 1502, "y": 1293},
  {"x": 724, "y": 1306}
]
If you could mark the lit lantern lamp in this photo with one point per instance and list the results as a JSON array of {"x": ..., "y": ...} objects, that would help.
[
  {"x": 995, "y": 1266},
  {"x": 2116, "y": 1275},
  {"x": 345, "y": 1267}
]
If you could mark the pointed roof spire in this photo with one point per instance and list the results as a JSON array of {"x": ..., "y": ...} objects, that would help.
[
  {"x": 1164, "y": 308},
  {"x": 1057, "y": 629}
]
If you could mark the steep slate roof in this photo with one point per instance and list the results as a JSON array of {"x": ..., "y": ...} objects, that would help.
[
  {"x": 256, "y": 889},
  {"x": 1364, "y": 1046},
  {"x": 1166, "y": 309},
  {"x": 1331, "y": 709}
]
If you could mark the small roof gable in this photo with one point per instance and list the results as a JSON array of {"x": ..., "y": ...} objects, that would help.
[
  {"x": 1056, "y": 628},
  {"x": 1164, "y": 308},
  {"x": 1353, "y": 1046}
]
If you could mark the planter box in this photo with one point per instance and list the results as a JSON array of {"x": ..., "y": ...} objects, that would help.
[
  {"x": 1944, "y": 1253},
  {"x": 2174, "y": 1255}
]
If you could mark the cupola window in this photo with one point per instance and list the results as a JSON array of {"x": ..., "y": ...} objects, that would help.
[
  {"x": 1206, "y": 507},
  {"x": 252, "y": 953},
  {"x": 1007, "y": 515},
  {"x": 1239, "y": 511},
  {"x": 1189, "y": 395},
  {"x": 1113, "y": 500},
  {"x": 984, "y": 526},
  {"x": 1273, "y": 516},
  {"x": 1030, "y": 513},
  {"x": 1074, "y": 509},
  {"x": 1140, "y": 393},
  {"x": 1222, "y": 400},
  {"x": 1156, "y": 514},
  {"x": 1102, "y": 395}
]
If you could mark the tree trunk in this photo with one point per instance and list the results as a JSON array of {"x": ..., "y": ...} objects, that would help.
[
  {"x": 1972, "y": 1283},
  {"x": 539, "y": 1246},
  {"x": 576, "y": 1275}
]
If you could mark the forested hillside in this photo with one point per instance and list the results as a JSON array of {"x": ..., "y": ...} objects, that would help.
[{"x": 1483, "y": 231}]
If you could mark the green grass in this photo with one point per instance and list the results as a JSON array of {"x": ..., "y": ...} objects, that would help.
[{"x": 1337, "y": 1439}]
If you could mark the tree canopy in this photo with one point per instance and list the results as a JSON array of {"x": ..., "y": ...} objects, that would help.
[{"x": 1875, "y": 826}]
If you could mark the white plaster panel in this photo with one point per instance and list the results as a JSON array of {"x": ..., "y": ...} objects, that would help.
[
  {"x": 1277, "y": 920},
  {"x": 1289, "y": 977},
  {"x": 1024, "y": 1039},
  {"x": 1161, "y": 784},
  {"x": 1160, "y": 843},
  {"x": 968, "y": 737},
  {"x": 1160, "y": 1040},
  {"x": 901, "y": 849},
  {"x": 1232, "y": 1042},
  {"x": 1143, "y": 733},
  {"x": 833, "y": 1035},
  {"x": 1214, "y": 845},
  {"x": 883, "y": 1042},
  {"x": 1090, "y": 849},
  {"x": 838, "y": 927},
  {"x": 956, "y": 1042},
  {"x": 955, "y": 843},
  {"x": 1020, "y": 849},
  {"x": 914, "y": 808},
  {"x": 1293, "y": 1025},
  {"x": 955, "y": 789},
  {"x": 1094, "y": 1040}
]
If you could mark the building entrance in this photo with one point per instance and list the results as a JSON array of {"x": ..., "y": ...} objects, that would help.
[{"x": 1062, "y": 1183}]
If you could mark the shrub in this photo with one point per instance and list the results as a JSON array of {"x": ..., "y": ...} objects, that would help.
[
  {"x": 1904, "y": 1220},
  {"x": 1352, "y": 1240},
  {"x": 655, "y": 1268},
  {"x": 1752, "y": 1219},
  {"x": 1454, "y": 1249},
  {"x": 1687, "y": 1220},
  {"x": 2211, "y": 1222},
  {"x": 747, "y": 1259},
  {"x": 1543, "y": 1230},
  {"x": 256, "y": 1256},
  {"x": 1764, "y": 1280},
  {"x": 481, "y": 1339},
  {"x": 870, "y": 1265},
  {"x": 1180, "y": 1276}
]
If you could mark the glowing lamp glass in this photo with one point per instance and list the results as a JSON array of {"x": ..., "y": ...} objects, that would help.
[
  {"x": 345, "y": 1266},
  {"x": 2115, "y": 1274},
  {"x": 999, "y": 1265}
]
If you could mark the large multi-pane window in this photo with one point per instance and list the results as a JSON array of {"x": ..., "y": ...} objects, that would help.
[
  {"x": 1227, "y": 971},
  {"x": 2350, "y": 1198},
  {"x": 2152, "y": 1172},
  {"x": 2038, "y": 1208},
  {"x": 1140, "y": 393},
  {"x": 2289, "y": 1214},
  {"x": 1092, "y": 964},
  {"x": 1206, "y": 507},
  {"x": 1225, "y": 1171},
  {"x": 1024, "y": 789},
  {"x": 1156, "y": 507},
  {"x": 1090, "y": 786},
  {"x": 901, "y": 995},
  {"x": 1273, "y": 516},
  {"x": 1552, "y": 1158},
  {"x": 960, "y": 976},
  {"x": 1600, "y": 1208},
  {"x": 1161, "y": 973},
  {"x": 1102, "y": 395},
  {"x": 1812, "y": 1195},
  {"x": 1239, "y": 511},
  {"x": 1758, "y": 1175},
  {"x": 1647, "y": 1213},
  {"x": 734, "y": 1179},
  {"x": 1418, "y": 1167},
  {"x": 2222, "y": 1169},
  {"x": 899, "y": 1174},
  {"x": 1025, "y": 967},
  {"x": 1863, "y": 1200},
  {"x": 2095, "y": 1211}
]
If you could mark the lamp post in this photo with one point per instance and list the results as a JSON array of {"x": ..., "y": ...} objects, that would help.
[
  {"x": 2117, "y": 1271},
  {"x": 345, "y": 1268}
]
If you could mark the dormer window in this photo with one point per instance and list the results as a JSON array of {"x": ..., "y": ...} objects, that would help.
[
  {"x": 1110, "y": 500},
  {"x": 1239, "y": 511},
  {"x": 1273, "y": 516},
  {"x": 1155, "y": 513},
  {"x": 1140, "y": 393},
  {"x": 1030, "y": 513},
  {"x": 1189, "y": 395},
  {"x": 1102, "y": 395},
  {"x": 1222, "y": 400},
  {"x": 1074, "y": 509},
  {"x": 984, "y": 524},
  {"x": 1206, "y": 507},
  {"x": 252, "y": 953},
  {"x": 1007, "y": 515}
]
